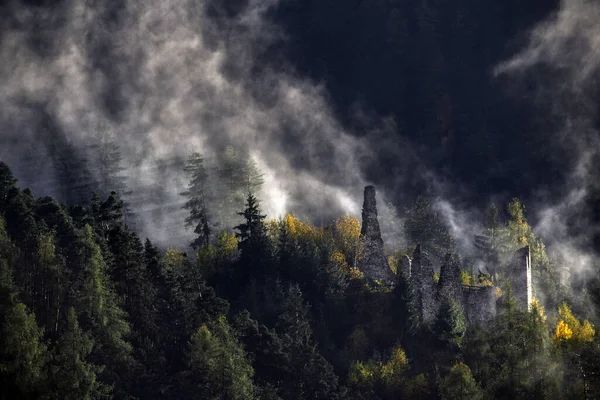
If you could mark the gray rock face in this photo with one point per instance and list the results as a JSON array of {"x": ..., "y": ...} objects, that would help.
[
  {"x": 477, "y": 302},
  {"x": 479, "y": 305},
  {"x": 521, "y": 278},
  {"x": 405, "y": 267},
  {"x": 374, "y": 263},
  {"x": 424, "y": 289},
  {"x": 450, "y": 284}
]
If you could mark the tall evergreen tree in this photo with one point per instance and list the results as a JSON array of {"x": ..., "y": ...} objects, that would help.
[
  {"x": 73, "y": 178},
  {"x": 23, "y": 353},
  {"x": 71, "y": 375},
  {"x": 219, "y": 366},
  {"x": 7, "y": 182},
  {"x": 253, "y": 225},
  {"x": 107, "y": 162},
  {"x": 100, "y": 312},
  {"x": 198, "y": 197},
  {"x": 235, "y": 175}
]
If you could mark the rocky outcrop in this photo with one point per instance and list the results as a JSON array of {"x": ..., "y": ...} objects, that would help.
[
  {"x": 404, "y": 267},
  {"x": 521, "y": 278},
  {"x": 373, "y": 264},
  {"x": 423, "y": 286},
  {"x": 477, "y": 302},
  {"x": 479, "y": 305},
  {"x": 450, "y": 284}
]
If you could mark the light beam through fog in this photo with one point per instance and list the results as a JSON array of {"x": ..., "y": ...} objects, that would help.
[{"x": 166, "y": 79}]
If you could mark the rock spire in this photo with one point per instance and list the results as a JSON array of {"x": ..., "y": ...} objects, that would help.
[{"x": 374, "y": 263}]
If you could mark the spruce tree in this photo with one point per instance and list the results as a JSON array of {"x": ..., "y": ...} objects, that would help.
[
  {"x": 253, "y": 225},
  {"x": 198, "y": 197}
]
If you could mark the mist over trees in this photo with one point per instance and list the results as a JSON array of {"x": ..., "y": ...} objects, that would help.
[
  {"x": 268, "y": 309},
  {"x": 140, "y": 253}
]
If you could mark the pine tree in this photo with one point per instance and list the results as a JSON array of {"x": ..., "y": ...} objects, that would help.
[
  {"x": 293, "y": 319},
  {"x": 73, "y": 178},
  {"x": 219, "y": 364},
  {"x": 253, "y": 225},
  {"x": 450, "y": 324},
  {"x": 198, "y": 200},
  {"x": 7, "y": 182},
  {"x": 71, "y": 375},
  {"x": 23, "y": 353},
  {"x": 106, "y": 160},
  {"x": 99, "y": 311},
  {"x": 235, "y": 175}
]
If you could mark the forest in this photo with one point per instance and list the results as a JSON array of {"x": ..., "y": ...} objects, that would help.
[
  {"x": 258, "y": 308},
  {"x": 180, "y": 187}
]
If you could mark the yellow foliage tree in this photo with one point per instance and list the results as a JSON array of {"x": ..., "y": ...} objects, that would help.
[
  {"x": 562, "y": 332},
  {"x": 300, "y": 230},
  {"x": 536, "y": 307},
  {"x": 570, "y": 331},
  {"x": 347, "y": 239},
  {"x": 393, "y": 371},
  {"x": 392, "y": 376}
]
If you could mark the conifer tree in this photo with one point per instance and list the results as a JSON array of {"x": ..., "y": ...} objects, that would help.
[
  {"x": 23, "y": 353},
  {"x": 100, "y": 312},
  {"x": 7, "y": 182},
  {"x": 107, "y": 165},
  {"x": 219, "y": 366},
  {"x": 235, "y": 175},
  {"x": 71, "y": 375},
  {"x": 198, "y": 197},
  {"x": 253, "y": 225},
  {"x": 106, "y": 160},
  {"x": 459, "y": 384},
  {"x": 450, "y": 324}
]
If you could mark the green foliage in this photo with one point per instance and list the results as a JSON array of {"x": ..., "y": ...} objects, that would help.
[
  {"x": 253, "y": 225},
  {"x": 389, "y": 380},
  {"x": 450, "y": 324},
  {"x": 459, "y": 384},
  {"x": 23, "y": 353},
  {"x": 89, "y": 312},
  {"x": 198, "y": 198},
  {"x": 513, "y": 357},
  {"x": 71, "y": 375},
  {"x": 219, "y": 363}
]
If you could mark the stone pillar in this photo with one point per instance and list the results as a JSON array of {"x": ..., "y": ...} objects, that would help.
[
  {"x": 521, "y": 279},
  {"x": 404, "y": 266},
  {"x": 480, "y": 305},
  {"x": 450, "y": 284},
  {"x": 423, "y": 286},
  {"x": 374, "y": 263}
]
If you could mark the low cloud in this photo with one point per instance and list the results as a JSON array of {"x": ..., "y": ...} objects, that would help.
[
  {"x": 166, "y": 79},
  {"x": 562, "y": 59}
]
